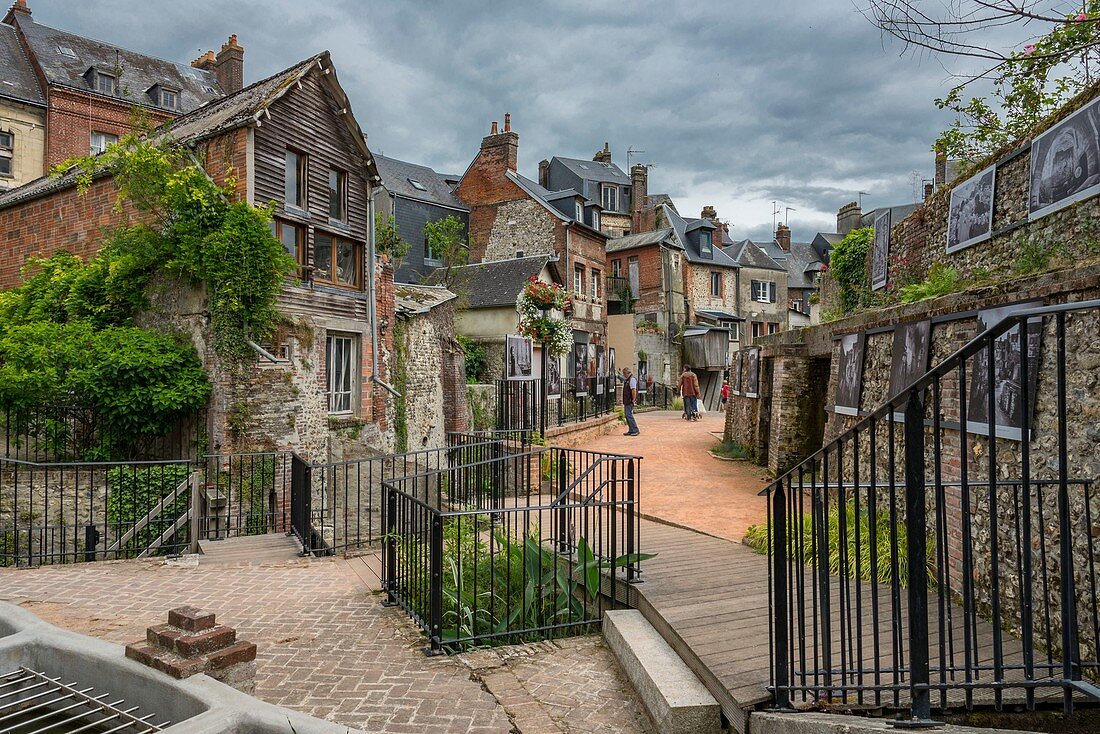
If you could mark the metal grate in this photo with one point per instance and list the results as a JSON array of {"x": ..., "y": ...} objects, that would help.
[{"x": 34, "y": 703}]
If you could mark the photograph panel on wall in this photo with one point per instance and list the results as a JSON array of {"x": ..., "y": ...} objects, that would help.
[
  {"x": 970, "y": 215},
  {"x": 1007, "y": 375},
  {"x": 751, "y": 384},
  {"x": 612, "y": 375},
  {"x": 849, "y": 376},
  {"x": 553, "y": 377},
  {"x": 580, "y": 369},
  {"x": 643, "y": 375},
  {"x": 909, "y": 359},
  {"x": 518, "y": 358},
  {"x": 735, "y": 378},
  {"x": 880, "y": 251},
  {"x": 600, "y": 374},
  {"x": 1065, "y": 162}
]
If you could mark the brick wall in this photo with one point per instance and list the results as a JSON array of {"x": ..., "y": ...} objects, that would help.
[{"x": 74, "y": 115}]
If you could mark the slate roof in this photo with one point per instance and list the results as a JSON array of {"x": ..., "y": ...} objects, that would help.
[
  {"x": 641, "y": 239},
  {"x": 139, "y": 71},
  {"x": 802, "y": 266},
  {"x": 595, "y": 170},
  {"x": 544, "y": 197},
  {"x": 410, "y": 299},
  {"x": 497, "y": 282},
  {"x": 17, "y": 78},
  {"x": 718, "y": 315},
  {"x": 772, "y": 249},
  {"x": 691, "y": 251},
  {"x": 396, "y": 174},
  {"x": 655, "y": 200},
  {"x": 897, "y": 213},
  {"x": 748, "y": 254},
  {"x": 236, "y": 110}
]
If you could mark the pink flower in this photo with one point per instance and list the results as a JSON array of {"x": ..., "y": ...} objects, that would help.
[
  {"x": 1082, "y": 16},
  {"x": 1029, "y": 48}
]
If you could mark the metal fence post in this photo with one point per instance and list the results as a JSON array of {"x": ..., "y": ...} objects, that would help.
[
  {"x": 563, "y": 512},
  {"x": 781, "y": 653},
  {"x": 389, "y": 579},
  {"x": 435, "y": 591},
  {"x": 631, "y": 514},
  {"x": 916, "y": 529},
  {"x": 196, "y": 510}
]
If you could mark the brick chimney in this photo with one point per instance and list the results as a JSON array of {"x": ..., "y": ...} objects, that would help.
[
  {"x": 229, "y": 66},
  {"x": 205, "y": 62},
  {"x": 500, "y": 150},
  {"x": 544, "y": 173},
  {"x": 941, "y": 167},
  {"x": 603, "y": 156},
  {"x": 848, "y": 217},
  {"x": 639, "y": 194},
  {"x": 783, "y": 237},
  {"x": 18, "y": 9},
  {"x": 928, "y": 189},
  {"x": 709, "y": 213}
]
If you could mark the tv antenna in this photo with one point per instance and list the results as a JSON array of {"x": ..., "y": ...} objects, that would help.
[
  {"x": 775, "y": 210},
  {"x": 630, "y": 152},
  {"x": 861, "y": 195},
  {"x": 787, "y": 215}
]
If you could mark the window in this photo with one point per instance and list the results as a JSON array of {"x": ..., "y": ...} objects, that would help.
[
  {"x": 757, "y": 329},
  {"x": 100, "y": 141},
  {"x": 7, "y": 151},
  {"x": 431, "y": 256},
  {"x": 168, "y": 98},
  {"x": 294, "y": 183},
  {"x": 763, "y": 291},
  {"x": 66, "y": 51},
  {"x": 105, "y": 83},
  {"x": 773, "y": 328},
  {"x": 715, "y": 284},
  {"x": 337, "y": 195},
  {"x": 578, "y": 279},
  {"x": 292, "y": 236},
  {"x": 340, "y": 360},
  {"x": 616, "y": 268},
  {"x": 595, "y": 218},
  {"x": 579, "y": 210},
  {"x": 706, "y": 244},
  {"x": 610, "y": 198},
  {"x": 336, "y": 260},
  {"x": 595, "y": 283},
  {"x": 417, "y": 185}
]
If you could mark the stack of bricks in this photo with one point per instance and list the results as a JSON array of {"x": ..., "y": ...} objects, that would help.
[{"x": 193, "y": 643}]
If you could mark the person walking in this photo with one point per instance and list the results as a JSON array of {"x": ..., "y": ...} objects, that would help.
[
  {"x": 725, "y": 393},
  {"x": 630, "y": 397},
  {"x": 689, "y": 391}
]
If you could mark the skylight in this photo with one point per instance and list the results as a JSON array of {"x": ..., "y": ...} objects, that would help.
[
  {"x": 208, "y": 89},
  {"x": 66, "y": 51},
  {"x": 417, "y": 185}
]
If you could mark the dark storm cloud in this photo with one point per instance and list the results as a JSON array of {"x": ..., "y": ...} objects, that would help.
[{"x": 796, "y": 102}]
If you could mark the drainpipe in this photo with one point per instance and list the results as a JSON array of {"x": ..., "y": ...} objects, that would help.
[{"x": 373, "y": 297}]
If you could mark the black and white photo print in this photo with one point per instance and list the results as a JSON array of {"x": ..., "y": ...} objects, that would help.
[
  {"x": 1065, "y": 162},
  {"x": 849, "y": 376},
  {"x": 970, "y": 216}
]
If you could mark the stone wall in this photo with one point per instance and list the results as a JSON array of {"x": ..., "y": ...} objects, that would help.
[
  {"x": 434, "y": 378},
  {"x": 697, "y": 280},
  {"x": 521, "y": 225}
]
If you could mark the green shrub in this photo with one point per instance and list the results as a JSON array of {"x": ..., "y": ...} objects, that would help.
[
  {"x": 942, "y": 279},
  {"x": 135, "y": 490},
  {"x": 678, "y": 404},
  {"x": 757, "y": 538},
  {"x": 729, "y": 450},
  {"x": 476, "y": 359},
  {"x": 848, "y": 267},
  {"x": 1033, "y": 256}
]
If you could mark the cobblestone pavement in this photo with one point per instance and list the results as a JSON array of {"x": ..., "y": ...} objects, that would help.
[
  {"x": 328, "y": 647},
  {"x": 682, "y": 483}
]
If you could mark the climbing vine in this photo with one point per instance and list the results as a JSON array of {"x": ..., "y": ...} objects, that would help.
[
  {"x": 401, "y": 385},
  {"x": 848, "y": 267}
]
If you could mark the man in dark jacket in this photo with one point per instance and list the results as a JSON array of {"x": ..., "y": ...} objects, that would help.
[{"x": 630, "y": 397}]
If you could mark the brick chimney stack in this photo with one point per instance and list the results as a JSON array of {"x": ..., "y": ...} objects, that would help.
[
  {"x": 639, "y": 194},
  {"x": 603, "y": 156},
  {"x": 18, "y": 8},
  {"x": 229, "y": 66},
  {"x": 500, "y": 150},
  {"x": 848, "y": 218},
  {"x": 783, "y": 237},
  {"x": 709, "y": 213},
  {"x": 544, "y": 173}
]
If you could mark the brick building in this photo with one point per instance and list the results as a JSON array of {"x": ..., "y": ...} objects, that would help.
[
  {"x": 321, "y": 387},
  {"x": 512, "y": 216},
  {"x": 599, "y": 181},
  {"x": 68, "y": 94},
  {"x": 762, "y": 292}
]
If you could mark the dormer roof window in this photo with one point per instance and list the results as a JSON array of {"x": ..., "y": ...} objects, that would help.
[
  {"x": 417, "y": 185},
  {"x": 164, "y": 96},
  {"x": 706, "y": 243},
  {"x": 101, "y": 81}
]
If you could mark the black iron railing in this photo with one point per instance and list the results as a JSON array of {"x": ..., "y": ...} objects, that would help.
[
  {"x": 657, "y": 395},
  {"x": 523, "y": 405},
  {"x": 515, "y": 544},
  {"x": 941, "y": 551}
]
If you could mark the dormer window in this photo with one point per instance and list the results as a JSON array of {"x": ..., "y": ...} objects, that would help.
[
  {"x": 101, "y": 81},
  {"x": 706, "y": 244},
  {"x": 417, "y": 185},
  {"x": 595, "y": 218},
  {"x": 167, "y": 97},
  {"x": 610, "y": 198},
  {"x": 580, "y": 210}
]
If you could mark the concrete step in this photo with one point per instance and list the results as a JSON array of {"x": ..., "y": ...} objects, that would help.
[
  {"x": 676, "y": 701},
  {"x": 270, "y": 548}
]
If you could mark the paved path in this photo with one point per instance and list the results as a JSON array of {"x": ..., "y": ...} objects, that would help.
[
  {"x": 327, "y": 647},
  {"x": 682, "y": 483}
]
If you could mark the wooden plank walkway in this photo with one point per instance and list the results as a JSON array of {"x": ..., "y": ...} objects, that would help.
[{"x": 269, "y": 548}]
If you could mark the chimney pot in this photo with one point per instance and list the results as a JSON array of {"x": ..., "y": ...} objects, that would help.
[
  {"x": 19, "y": 7},
  {"x": 493, "y": 130},
  {"x": 783, "y": 237},
  {"x": 229, "y": 66},
  {"x": 544, "y": 173},
  {"x": 507, "y": 122},
  {"x": 603, "y": 156}
]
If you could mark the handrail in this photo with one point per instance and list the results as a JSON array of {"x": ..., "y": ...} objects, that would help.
[
  {"x": 966, "y": 351},
  {"x": 576, "y": 480}
]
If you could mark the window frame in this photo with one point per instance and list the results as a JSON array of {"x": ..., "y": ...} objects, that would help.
[
  {"x": 175, "y": 98},
  {"x": 578, "y": 279},
  {"x": 594, "y": 278},
  {"x": 100, "y": 77},
  {"x": 757, "y": 329},
  {"x": 350, "y": 357},
  {"x": 767, "y": 292},
  {"x": 333, "y": 279},
  {"x": 617, "y": 268},
  {"x": 607, "y": 193},
  {"x": 706, "y": 243},
  {"x": 299, "y": 239},
  {"x": 301, "y": 180},
  {"x": 715, "y": 284},
  {"x": 7, "y": 155},
  {"x": 96, "y": 151},
  {"x": 341, "y": 194},
  {"x": 595, "y": 218}
]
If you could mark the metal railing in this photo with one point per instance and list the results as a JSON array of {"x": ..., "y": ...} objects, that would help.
[
  {"x": 523, "y": 404},
  {"x": 516, "y": 544},
  {"x": 941, "y": 551}
]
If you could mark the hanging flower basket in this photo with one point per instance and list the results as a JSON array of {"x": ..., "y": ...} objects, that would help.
[
  {"x": 545, "y": 296},
  {"x": 536, "y": 303}
]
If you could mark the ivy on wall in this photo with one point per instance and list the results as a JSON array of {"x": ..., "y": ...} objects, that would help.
[{"x": 401, "y": 385}]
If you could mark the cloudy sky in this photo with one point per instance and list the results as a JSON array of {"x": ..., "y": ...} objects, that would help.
[{"x": 736, "y": 104}]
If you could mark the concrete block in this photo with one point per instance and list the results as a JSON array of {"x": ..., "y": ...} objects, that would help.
[{"x": 674, "y": 698}]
